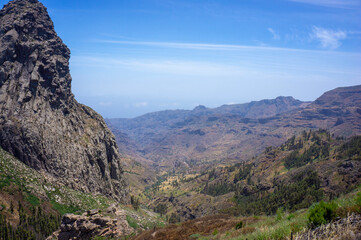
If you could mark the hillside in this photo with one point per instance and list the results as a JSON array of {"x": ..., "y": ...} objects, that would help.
[
  {"x": 313, "y": 164},
  {"x": 33, "y": 204},
  {"x": 173, "y": 139},
  {"x": 270, "y": 196}
]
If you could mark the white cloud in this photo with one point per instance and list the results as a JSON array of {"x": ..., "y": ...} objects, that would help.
[
  {"x": 140, "y": 104},
  {"x": 275, "y": 35},
  {"x": 207, "y": 46},
  {"x": 329, "y": 39},
  {"x": 105, "y": 104},
  {"x": 332, "y": 3}
]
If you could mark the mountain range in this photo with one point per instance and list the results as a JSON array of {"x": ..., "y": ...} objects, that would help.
[{"x": 234, "y": 133}]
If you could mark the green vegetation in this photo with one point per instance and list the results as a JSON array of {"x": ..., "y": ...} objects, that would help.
[
  {"x": 239, "y": 225},
  {"x": 217, "y": 189},
  {"x": 174, "y": 218},
  {"x": 280, "y": 214},
  {"x": 4, "y": 181},
  {"x": 132, "y": 222},
  {"x": 33, "y": 200},
  {"x": 36, "y": 225},
  {"x": 290, "y": 196},
  {"x": 195, "y": 236},
  {"x": 243, "y": 173},
  {"x": 63, "y": 208},
  {"x": 36, "y": 202},
  {"x": 161, "y": 209},
  {"x": 322, "y": 213},
  {"x": 282, "y": 225},
  {"x": 135, "y": 202},
  {"x": 351, "y": 149},
  {"x": 317, "y": 150}
]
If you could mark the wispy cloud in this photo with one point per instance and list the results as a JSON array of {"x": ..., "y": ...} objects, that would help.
[
  {"x": 275, "y": 35},
  {"x": 140, "y": 104},
  {"x": 332, "y": 3},
  {"x": 178, "y": 67},
  {"x": 328, "y": 38},
  {"x": 105, "y": 104},
  {"x": 214, "y": 47}
]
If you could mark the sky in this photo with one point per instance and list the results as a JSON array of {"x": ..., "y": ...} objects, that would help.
[{"x": 133, "y": 57}]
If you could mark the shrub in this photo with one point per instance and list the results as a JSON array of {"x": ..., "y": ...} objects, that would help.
[
  {"x": 279, "y": 213},
  {"x": 196, "y": 236},
  {"x": 296, "y": 227},
  {"x": 135, "y": 202},
  {"x": 161, "y": 208},
  {"x": 321, "y": 213},
  {"x": 174, "y": 218},
  {"x": 358, "y": 199},
  {"x": 132, "y": 222},
  {"x": 239, "y": 225},
  {"x": 290, "y": 217}
]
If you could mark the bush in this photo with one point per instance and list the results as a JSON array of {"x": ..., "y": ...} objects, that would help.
[
  {"x": 290, "y": 217},
  {"x": 358, "y": 199},
  {"x": 321, "y": 213},
  {"x": 289, "y": 196},
  {"x": 174, "y": 218},
  {"x": 132, "y": 222},
  {"x": 280, "y": 213},
  {"x": 239, "y": 225}
]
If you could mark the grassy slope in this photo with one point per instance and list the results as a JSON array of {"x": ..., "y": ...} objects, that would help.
[
  {"x": 278, "y": 226},
  {"x": 25, "y": 188}
]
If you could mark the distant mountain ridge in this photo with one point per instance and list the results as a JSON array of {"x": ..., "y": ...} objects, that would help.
[
  {"x": 40, "y": 121},
  {"x": 164, "y": 120},
  {"x": 237, "y": 132}
]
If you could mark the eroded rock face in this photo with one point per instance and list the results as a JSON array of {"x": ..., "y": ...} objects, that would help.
[
  {"x": 92, "y": 223},
  {"x": 40, "y": 121}
]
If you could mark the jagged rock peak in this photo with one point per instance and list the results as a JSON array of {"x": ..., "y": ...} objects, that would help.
[
  {"x": 29, "y": 18},
  {"x": 28, "y": 38},
  {"x": 40, "y": 121}
]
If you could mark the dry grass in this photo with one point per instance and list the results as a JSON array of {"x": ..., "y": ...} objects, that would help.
[
  {"x": 344, "y": 229},
  {"x": 204, "y": 226}
]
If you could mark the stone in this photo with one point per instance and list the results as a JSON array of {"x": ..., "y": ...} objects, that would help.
[
  {"x": 41, "y": 123},
  {"x": 86, "y": 227}
]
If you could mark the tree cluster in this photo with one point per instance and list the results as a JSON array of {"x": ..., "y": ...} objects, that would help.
[{"x": 32, "y": 226}]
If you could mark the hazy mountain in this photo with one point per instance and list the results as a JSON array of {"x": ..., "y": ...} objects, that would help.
[{"x": 237, "y": 132}]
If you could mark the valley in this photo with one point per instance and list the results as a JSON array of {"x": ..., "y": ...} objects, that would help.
[{"x": 269, "y": 169}]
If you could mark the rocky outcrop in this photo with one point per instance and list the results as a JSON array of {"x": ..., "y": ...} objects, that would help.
[
  {"x": 40, "y": 121},
  {"x": 345, "y": 228},
  {"x": 93, "y": 224}
]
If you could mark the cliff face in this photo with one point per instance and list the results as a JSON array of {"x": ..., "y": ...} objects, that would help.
[{"x": 40, "y": 121}]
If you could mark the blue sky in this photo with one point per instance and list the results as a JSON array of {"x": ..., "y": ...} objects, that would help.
[{"x": 132, "y": 57}]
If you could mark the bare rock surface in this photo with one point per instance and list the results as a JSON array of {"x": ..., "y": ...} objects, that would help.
[
  {"x": 41, "y": 123},
  {"x": 110, "y": 224}
]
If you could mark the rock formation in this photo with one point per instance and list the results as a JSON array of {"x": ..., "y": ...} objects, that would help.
[
  {"x": 40, "y": 121},
  {"x": 93, "y": 224}
]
